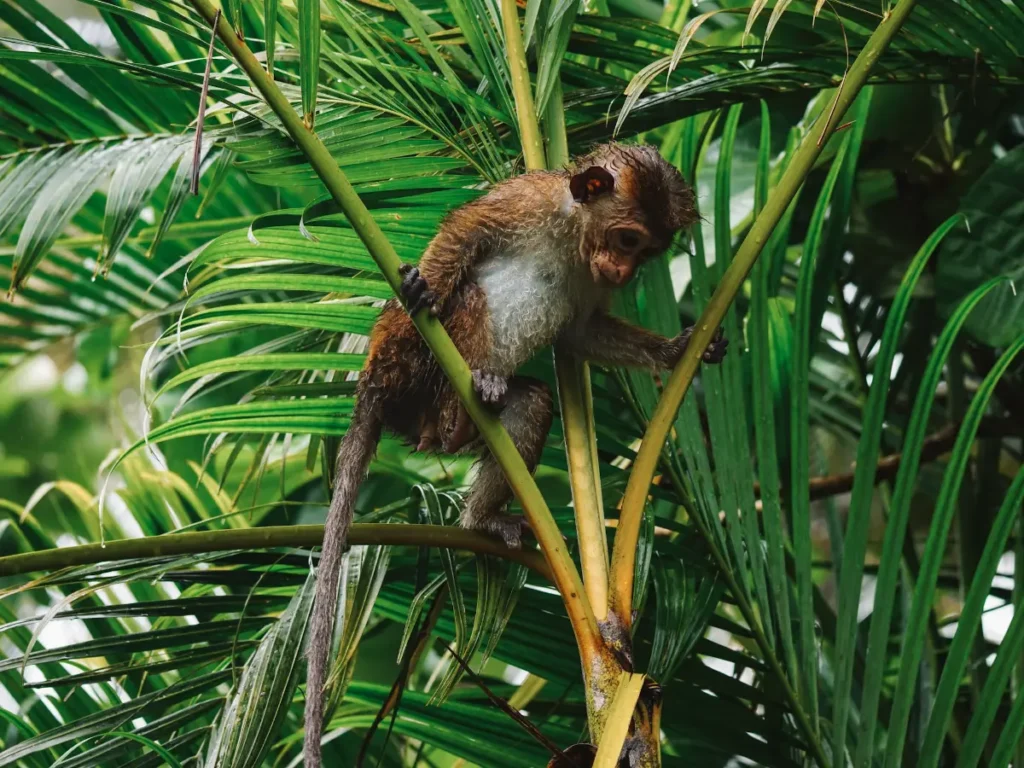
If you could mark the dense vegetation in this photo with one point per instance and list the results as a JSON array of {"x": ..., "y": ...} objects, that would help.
[{"x": 824, "y": 568}]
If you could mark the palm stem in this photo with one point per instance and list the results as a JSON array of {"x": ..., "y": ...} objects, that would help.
[
  {"x": 627, "y": 535},
  {"x": 576, "y": 403},
  {"x": 552, "y": 544},
  {"x": 529, "y": 128},
  {"x": 571, "y": 398},
  {"x": 601, "y": 669},
  {"x": 195, "y": 542}
]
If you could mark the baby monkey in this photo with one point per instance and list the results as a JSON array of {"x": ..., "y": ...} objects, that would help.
[{"x": 531, "y": 263}]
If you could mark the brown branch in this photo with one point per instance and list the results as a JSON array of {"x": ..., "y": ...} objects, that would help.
[
  {"x": 522, "y": 720},
  {"x": 935, "y": 445}
]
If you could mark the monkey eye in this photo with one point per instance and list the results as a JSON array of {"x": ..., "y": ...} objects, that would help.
[{"x": 627, "y": 240}]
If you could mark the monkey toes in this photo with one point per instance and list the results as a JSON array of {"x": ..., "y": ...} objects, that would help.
[
  {"x": 491, "y": 388},
  {"x": 415, "y": 291},
  {"x": 510, "y": 528}
]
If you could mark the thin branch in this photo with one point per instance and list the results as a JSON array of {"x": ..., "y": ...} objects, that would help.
[
  {"x": 196, "y": 542},
  {"x": 935, "y": 445},
  {"x": 409, "y": 661},
  {"x": 522, "y": 720},
  {"x": 564, "y": 572}
]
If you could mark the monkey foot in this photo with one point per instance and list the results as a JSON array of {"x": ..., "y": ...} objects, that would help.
[
  {"x": 716, "y": 349},
  {"x": 491, "y": 388},
  {"x": 415, "y": 291},
  {"x": 509, "y": 528}
]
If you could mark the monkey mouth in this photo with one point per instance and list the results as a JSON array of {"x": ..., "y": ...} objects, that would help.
[{"x": 613, "y": 276}]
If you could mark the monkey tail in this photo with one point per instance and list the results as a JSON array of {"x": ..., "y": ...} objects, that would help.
[{"x": 354, "y": 456}]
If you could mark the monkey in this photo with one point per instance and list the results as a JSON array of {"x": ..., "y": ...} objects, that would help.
[{"x": 530, "y": 263}]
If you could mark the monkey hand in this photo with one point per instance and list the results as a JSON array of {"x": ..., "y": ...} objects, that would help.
[
  {"x": 716, "y": 348},
  {"x": 415, "y": 291},
  {"x": 491, "y": 388},
  {"x": 713, "y": 353}
]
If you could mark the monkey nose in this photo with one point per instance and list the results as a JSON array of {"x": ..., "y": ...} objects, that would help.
[{"x": 617, "y": 274}]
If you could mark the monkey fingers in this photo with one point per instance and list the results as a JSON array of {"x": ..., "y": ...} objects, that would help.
[
  {"x": 716, "y": 349},
  {"x": 462, "y": 434},
  {"x": 428, "y": 435},
  {"x": 491, "y": 388},
  {"x": 415, "y": 291}
]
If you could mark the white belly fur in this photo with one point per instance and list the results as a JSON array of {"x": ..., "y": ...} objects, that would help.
[{"x": 530, "y": 300}]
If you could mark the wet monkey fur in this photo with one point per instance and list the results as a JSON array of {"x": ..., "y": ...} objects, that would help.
[{"x": 531, "y": 263}]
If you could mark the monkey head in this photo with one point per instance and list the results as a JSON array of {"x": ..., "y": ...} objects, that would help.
[{"x": 632, "y": 202}]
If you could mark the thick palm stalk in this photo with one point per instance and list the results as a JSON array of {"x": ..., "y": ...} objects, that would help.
[
  {"x": 577, "y": 407},
  {"x": 526, "y": 112},
  {"x": 602, "y": 672},
  {"x": 563, "y": 570}
]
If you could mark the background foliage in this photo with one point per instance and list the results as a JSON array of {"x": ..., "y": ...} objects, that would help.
[{"x": 215, "y": 337}]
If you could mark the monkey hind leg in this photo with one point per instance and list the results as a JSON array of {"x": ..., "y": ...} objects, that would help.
[{"x": 527, "y": 417}]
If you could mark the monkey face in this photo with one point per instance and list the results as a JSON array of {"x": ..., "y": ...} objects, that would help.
[
  {"x": 631, "y": 204},
  {"x": 623, "y": 248}
]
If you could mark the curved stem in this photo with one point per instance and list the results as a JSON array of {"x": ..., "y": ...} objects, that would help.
[
  {"x": 195, "y": 542},
  {"x": 563, "y": 571},
  {"x": 627, "y": 535},
  {"x": 624, "y": 551}
]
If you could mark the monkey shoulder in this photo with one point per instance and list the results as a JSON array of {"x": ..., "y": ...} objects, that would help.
[{"x": 521, "y": 203}]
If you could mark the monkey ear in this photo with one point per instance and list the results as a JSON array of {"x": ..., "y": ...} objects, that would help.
[{"x": 590, "y": 183}]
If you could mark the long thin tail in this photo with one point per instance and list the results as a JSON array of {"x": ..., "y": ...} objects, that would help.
[{"x": 357, "y": 448}]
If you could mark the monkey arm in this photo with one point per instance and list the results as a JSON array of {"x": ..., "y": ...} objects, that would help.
[
  {"x": 607, "y": 340},
  {"x": 465, "y": 237}
]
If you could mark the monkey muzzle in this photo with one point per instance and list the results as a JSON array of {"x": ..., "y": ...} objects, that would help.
[{"x": 616, "y": 271}]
